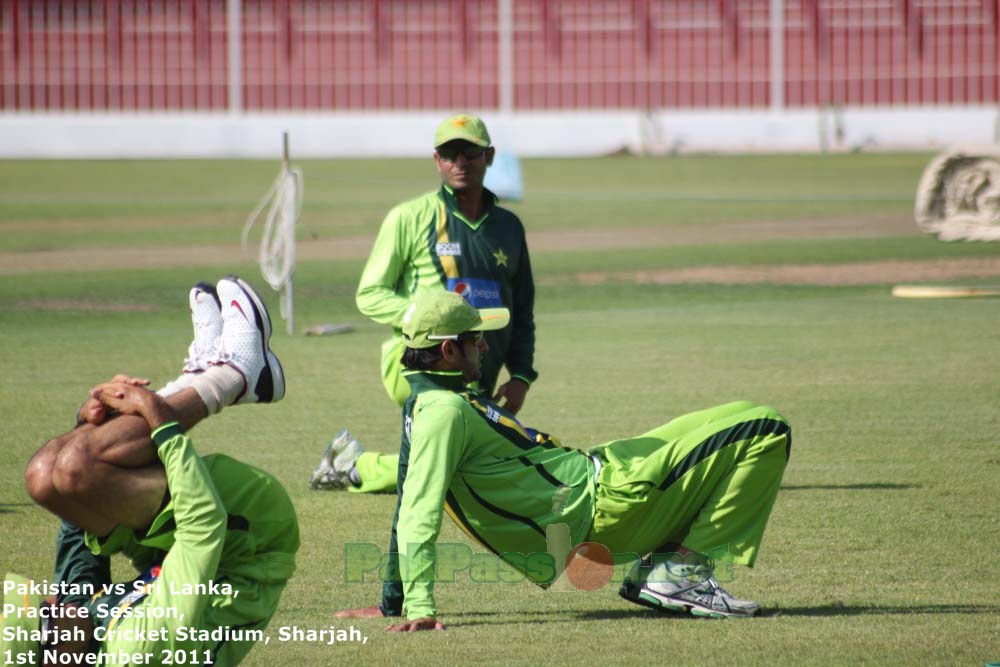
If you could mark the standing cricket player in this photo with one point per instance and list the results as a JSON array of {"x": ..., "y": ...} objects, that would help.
[{"x": 456, "y": 238}]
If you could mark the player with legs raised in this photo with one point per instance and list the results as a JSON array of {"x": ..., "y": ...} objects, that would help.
[{"x": 215, "y": 539}]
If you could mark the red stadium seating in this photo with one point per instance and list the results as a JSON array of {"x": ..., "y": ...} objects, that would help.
[{"x": 398, "y": 55}]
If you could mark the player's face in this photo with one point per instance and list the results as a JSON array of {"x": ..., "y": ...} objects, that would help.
[
  {"x": 472, "y": 347},
  {"x": 462, "y": 165}
]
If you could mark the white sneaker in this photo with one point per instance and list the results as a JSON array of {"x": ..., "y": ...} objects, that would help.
[
  {"x": 246, "y": 331},
  {"x": 206, "y": 348},
  {"x": 684, "y": 588},
  {"x": 334, "y": 469}
]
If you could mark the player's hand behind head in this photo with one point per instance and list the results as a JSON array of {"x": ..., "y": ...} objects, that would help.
[
  {"x": 125, "y": 397},
  {"x": 128, "y": 379}
]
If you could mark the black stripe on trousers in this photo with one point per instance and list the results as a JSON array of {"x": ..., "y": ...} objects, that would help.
[{"x": 733, "y": 434}]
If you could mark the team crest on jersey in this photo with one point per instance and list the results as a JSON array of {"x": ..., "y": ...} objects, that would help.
[{"x": 453, "y": 249}]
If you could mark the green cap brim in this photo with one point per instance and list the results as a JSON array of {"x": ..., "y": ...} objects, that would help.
[{"x": 492, "y": 319}]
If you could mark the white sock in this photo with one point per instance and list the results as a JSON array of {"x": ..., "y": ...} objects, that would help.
[{"x": 218, "y": 387}]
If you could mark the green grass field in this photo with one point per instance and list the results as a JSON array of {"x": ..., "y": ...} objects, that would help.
[{"x": 882, "y": 547}]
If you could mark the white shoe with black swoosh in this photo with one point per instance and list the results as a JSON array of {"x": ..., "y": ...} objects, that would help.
[{"x": 246, "y": 332}]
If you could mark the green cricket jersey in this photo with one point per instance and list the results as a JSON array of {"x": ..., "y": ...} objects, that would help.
[
  {"x": 226, "y": 524},
  {"x": 494, "y": 477},
  {"x": 426, "y": 243}
]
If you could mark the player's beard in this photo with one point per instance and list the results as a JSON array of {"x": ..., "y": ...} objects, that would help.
[{"x": 473, "y": 373}]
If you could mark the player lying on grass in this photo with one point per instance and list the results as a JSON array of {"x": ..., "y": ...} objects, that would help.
[
  {"x": 701, "y": 482},
  {"x": 215, "y": 539}
]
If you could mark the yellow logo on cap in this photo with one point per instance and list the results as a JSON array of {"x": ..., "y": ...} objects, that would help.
[{"x": 459, "y": 122}]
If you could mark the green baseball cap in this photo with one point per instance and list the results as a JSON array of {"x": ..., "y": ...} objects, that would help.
[
  {"x": 440, "y": 315},
  {"x": 464, "y": 127},
  {"x": 19, "y": 622}
]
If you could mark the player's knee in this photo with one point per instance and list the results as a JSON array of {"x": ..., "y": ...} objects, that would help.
[
  {"x": 780, "y": 428},
  {"x": 772, "y": 431},
  {"x": 758, "y": 411},
  {"x": 737, "y": 407}
]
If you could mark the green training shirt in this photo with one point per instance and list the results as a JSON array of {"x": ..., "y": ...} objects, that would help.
[
  {"x": 250, "y": 547},
  {"x": 495, "y": 478},
  {"x": 426, "y": 243}
]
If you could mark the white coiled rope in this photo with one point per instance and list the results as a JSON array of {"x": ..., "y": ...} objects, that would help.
[{"x": 277, "y": 245}]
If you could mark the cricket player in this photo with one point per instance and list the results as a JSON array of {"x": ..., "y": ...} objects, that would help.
[
  {"x": 700, "y": 482},
  {"x": 458, "y": 239},
  {"x": 214, "y": 539}
]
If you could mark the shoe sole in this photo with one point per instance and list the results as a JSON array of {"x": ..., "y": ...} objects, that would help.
[
  {"x": 675, "y": 606},
  {"x": 271, "y": 384}
]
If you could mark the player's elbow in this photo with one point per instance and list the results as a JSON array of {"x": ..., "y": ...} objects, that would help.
[{"x": 363, "y": 300}]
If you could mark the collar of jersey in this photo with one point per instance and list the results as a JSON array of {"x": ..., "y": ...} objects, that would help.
[
  {"x": 429, "y": 380},
  {"x": 489, "y": 199}
]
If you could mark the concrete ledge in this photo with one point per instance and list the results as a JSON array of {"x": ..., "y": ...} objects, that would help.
[{"x": 528, "y": 134}]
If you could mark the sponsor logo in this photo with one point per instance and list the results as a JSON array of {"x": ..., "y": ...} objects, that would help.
[
  {"x": 479, "y": 293},
  {"x": 448, "y": 249}
]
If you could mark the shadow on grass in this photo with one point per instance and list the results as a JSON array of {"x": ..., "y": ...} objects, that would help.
[
  {"x": 623, "y": 614},
  {"x": 5, "y": 507},
  {"x": 486, "y": 618},
  {"x": 833, "y": 609},
  {"x": 875, "y": 486},
  {"x": 837, "y": 609}
]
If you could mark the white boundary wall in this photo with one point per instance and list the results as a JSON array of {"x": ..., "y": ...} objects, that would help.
[{"x": 528, "y": 134}]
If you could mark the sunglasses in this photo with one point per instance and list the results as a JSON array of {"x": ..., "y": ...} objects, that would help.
[
  {"x": 474, "y": 337},
  {"x": 451, "y": 153}
]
